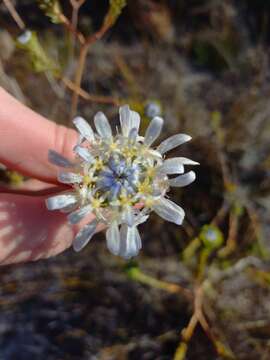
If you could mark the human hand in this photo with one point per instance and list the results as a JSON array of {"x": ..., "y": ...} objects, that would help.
[{"x": 28, "y": 231}]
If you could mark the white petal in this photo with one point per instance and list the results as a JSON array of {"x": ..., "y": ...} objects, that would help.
[
  {"x": 186, "y": 161},
  {"x": 124, "y": 113},
  {"x": 130, "y": 241},
  {"x": 140, "y": 219},
  {"x": 60, "y": 201},
  {"x": 153, "y": 131},
  {"x": 70, "y": 178},
  {"x": 169, "y": 211},
  {"x": 175, "y": 165},
  {"x": 134, "y": 120},
  {"x": 183, "y": 180},
  {"x": 133, "y": 134},
  {"x": 128, "y": 120},
  {"x": 171, "y": 166},
  {"x": 83, "y": 153},
  {"x": 154, "y": 153},
  {"x": 80, "y": 139},
  {"x": 84, "y": 128},
  {"x": 172, "y": 142},
  {"x": 76, "y": 216},
  {"x": 84, "y": 236},
  {"x": 59, "y": 160},
  {"x": 113, "y": 238},
  {"x": 69, "y": 208},
  {"x": 138, "y": 238},
  {"x": 128, "y": 216},
  {"x": 102, "y": 125}
]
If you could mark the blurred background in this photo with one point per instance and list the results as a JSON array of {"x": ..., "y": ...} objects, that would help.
[{"x": 200, "y": 291}]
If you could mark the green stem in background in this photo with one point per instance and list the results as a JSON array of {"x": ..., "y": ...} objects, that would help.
[
  {"x": 136, "y": 274},
  {"x": 204, "y": 255},
  {"x": 181, "y": 351},
  {"x": 191, "y": 249}
]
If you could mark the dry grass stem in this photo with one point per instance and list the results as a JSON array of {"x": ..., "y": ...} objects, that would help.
[{"x": 14, "y": 14}]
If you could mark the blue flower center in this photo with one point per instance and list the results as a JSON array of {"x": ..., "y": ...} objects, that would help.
[{"x": 118, "y": 176}]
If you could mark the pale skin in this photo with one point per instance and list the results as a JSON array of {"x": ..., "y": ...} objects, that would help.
[{"x": 28, "y": 231}]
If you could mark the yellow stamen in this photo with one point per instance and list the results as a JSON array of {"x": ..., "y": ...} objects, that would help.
[
  {"x": 149, "y": 202},
  {"x": 145, "y": 187},
  {"x": 87, "y": 180},
  {"x": 96, "y": 203},
  {"x": 99, "y": 164},
  {"x": 129, "y": 152},
  {"x": 151, "y": 171},
  {"x": 113, "y": 146},
  {"x": 125, "y": 199}
]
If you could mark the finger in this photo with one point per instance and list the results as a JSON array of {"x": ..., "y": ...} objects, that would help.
[
  {"x": 28, "y": 231},
  {"x": 26, "y": 137},
  {"x": 33, "y": 185},
  {"x": 50, "y": 190}
]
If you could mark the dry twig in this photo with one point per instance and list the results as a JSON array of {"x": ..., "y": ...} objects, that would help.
[
  {"x": 76, "y": 4},
  {"x": 233, "y": 230},
  {"x": 71, "y": 28},
  {"x": 13, "y": 12},
  {"x": 85, "y": 95},
  {"x": 81, "y": 64}
]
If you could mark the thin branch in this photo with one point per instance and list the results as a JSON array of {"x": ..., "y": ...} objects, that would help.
[
  {"x": 76, "y": 4},
  {"x": 13, "y": 12},
  {"x": 199, "y": 317},
  {"x": 82, "y": 59},
  {"x": 222, "y": 212},
  {"x": 70, "y": 27},
  {"x": 233, "y": 230},
  {"x": 85, "y": 95}
]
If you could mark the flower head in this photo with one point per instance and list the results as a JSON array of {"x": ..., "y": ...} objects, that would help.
[{"x": 120, "y": 179}]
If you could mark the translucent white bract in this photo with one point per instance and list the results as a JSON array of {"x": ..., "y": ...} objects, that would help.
[{"x": 120, "y": 179}]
